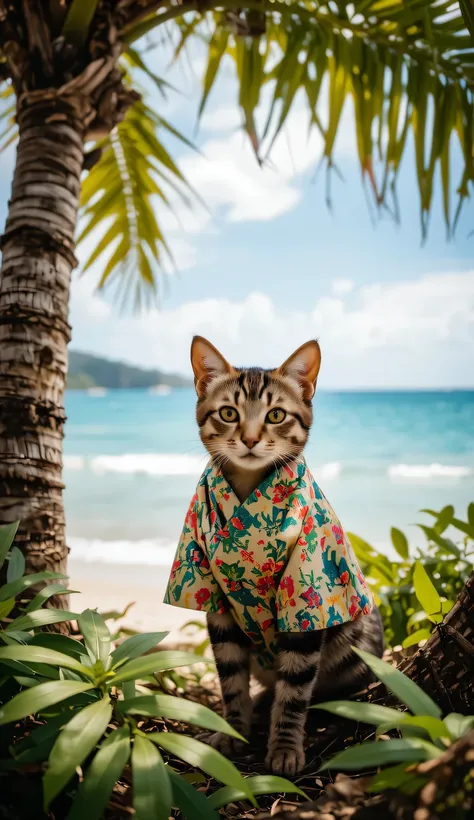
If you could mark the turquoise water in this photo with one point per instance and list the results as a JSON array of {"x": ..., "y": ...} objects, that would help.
[{"x": 132, "y": 459}]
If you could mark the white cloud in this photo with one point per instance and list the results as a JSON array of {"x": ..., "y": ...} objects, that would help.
[
  {"x": 342, "y": 286},
  {"x": 412, "y": 333}
]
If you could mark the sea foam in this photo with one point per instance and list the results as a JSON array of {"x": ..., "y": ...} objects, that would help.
[{"x": 428, "y": 471}]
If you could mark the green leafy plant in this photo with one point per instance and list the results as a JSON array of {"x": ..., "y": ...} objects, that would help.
[
  {"x": 86, "y": 696},
  {"x": 415, "y": 592},
  {"x": 425, "y": 735}
]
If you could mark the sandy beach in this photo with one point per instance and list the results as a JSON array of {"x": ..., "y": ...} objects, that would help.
[{"x": 106, "y": 587}]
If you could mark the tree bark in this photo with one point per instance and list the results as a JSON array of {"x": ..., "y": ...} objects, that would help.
[{"x": 38, "y": 258}]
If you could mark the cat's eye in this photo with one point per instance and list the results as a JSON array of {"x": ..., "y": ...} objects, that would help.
[
  {"x": 228, "y": 414},
  {"x": 276, "y": 416}
]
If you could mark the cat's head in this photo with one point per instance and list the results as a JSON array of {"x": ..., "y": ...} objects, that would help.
[{"x": 250, "y": 417}]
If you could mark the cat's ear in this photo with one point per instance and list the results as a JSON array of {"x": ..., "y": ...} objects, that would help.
[
  {"x": 303, "y": 366},
  {"x": 207, "y": 363}
]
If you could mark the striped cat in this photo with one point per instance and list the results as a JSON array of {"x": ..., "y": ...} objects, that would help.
[{"x": 253, "y": 421}]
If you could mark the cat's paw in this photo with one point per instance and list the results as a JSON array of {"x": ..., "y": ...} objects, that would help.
[
  {"x": 286, "y": 762},
  {"x": 228, "y": 746}
]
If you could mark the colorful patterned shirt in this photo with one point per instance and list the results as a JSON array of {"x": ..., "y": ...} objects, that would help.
[{"x": 280, "y": 560}]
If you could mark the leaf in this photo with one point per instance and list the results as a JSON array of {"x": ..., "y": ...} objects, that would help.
[
  {"x": 135, "y": 646},
  {"x": 368, "y": 755},
  {"x": 399, "y": 541},
  {"x": 39, "y": 654},
  {"x": 40, "y": 697},
  {"x": 470, "y": 515},
  {"x": 96, "y": 635},
  {"x": 16, "y": 565},
  {"x": 260, "y": 784},
  {"x": 75, "y": 742},
  {"x": 178, "y": 709},
  {"x": 444, "y": 543},
  {"x": 7, "y": 536},
  {"x": 405, "y": 689},
  {"x": 425, "y": 590},
  {"x": 20, "y": 584},
  {"x": 203, "y": 757},
  {"x": 156, "y": 662},
  {"x": 6, "y": 607},
  {"x": 152, "y": 793},
  {"x": 434, "y": 728},
  {"x": 191, "y": 803},
  {"x": 60, "y": 643},
  {"x": 444, "y": 519},
  {"x": 46, "y": 593},
  {"x": 416, "y": 637},
  {"x": 103, "y": 772},
  {"x": 458, "y": 725},
  {"x": 79, "y": 17},
  {"x": 370, "y": 713},
  {"x": 42, "y": 617},
  {"x": 393, "y": 778}
]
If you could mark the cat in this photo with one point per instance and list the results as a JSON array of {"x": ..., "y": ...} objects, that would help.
[{"x": 253, "y": 421}]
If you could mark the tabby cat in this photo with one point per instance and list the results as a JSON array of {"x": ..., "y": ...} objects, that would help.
[{"x": 252, "y": 422}]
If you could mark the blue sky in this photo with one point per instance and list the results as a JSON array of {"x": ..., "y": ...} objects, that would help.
[{"x": 269, "y": 265}]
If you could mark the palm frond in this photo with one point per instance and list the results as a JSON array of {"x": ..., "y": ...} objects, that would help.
[
  {"x": 119, "y": 196},
  {"x": 407, "y": 67},
  {"x": 8, "y": 127}
]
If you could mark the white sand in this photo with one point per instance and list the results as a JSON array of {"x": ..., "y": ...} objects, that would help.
[{"x": 113, "y": 586}]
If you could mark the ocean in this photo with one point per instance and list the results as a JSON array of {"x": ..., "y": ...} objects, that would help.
[{"x": 132, "y": 459}]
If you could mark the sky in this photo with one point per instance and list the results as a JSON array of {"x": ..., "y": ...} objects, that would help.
[{"x": 267, "y": 265}]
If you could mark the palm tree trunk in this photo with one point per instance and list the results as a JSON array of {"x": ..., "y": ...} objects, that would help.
[{"x": 38, "y": 257}]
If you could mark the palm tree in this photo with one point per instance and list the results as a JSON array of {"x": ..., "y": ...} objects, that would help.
[{"x": 88, "y": 143}]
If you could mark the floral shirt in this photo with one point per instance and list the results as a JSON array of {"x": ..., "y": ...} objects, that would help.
[{"x": 280, "y": 561}]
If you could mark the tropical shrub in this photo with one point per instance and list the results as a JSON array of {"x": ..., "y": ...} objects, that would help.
[
  {"x": 415, "y": 592},
  {"x": 425, "y": 735},
  {"x": 91, "y": 710}
]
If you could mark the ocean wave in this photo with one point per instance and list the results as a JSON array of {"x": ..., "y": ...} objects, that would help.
[
  {"x": 422, "y": 471},
  {"x": 152, "y": 551}
]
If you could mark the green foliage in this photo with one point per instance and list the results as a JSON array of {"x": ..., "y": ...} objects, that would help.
[
  {"x": 424, "y": 735},
  {"x": 416, "y": 591},
  {"x": 84, "y": 692}
]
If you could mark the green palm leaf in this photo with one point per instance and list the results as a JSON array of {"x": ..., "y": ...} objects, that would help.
[{"x": 119, "y": 196}]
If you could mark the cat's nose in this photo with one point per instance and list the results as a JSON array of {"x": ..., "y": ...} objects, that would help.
[{"x": 250, "y": 442}]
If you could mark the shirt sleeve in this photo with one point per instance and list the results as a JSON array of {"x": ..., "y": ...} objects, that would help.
[
  {"x": 191, "y": 583},
  {"x": 322, "y": 584}
]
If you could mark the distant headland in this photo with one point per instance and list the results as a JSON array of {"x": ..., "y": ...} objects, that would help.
[{"x": 87, "y": 371}]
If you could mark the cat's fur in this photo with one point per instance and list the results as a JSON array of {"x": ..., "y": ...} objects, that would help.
[{"x": 247, "y": 450}]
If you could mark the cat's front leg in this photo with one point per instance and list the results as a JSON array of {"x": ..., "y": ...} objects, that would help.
[
  {"x": 231, "y": 648},
  {"x": 297, "y": 669}
]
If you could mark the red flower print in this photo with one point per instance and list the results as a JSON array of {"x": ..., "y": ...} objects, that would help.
[
  {"x": 323, "y": 541},
  {"x": 204, "y": 563},
  {"x": 302, "y": 542},
  {"x": 311, "y": 491},
  {"x": 278, "y": 566},
  {"x": 219, "y": 562},
  {"x": 261, "y": 541},
  {"x": 221, "y": 607},
  {"x": 196, "y": 556},
  {"x": 268, "y": 566},
  {"x": 289, "y": 471},
  {"x": 259, "y": 609},
  {"x": 287, "y": 583},
  {"x": 304, "y": 624},
  {"x": 258, "y": 493},
  {"x": 247, "y": 556},
  {"x": 191, "y": 520},
  {"x": 292, "y": 602},
  {"x": 366, "y": 609},
  {"x": 226, "y": 496},
  {"x": 344, "y": 578},
  {"x": 202, "y": 595},
  {"x": 235, "y": 586},
  {"x": 223, "y": 533},
  {"x": 303, "y": 556},
  {"x": 175, "y": 567},
  {"x": 213, "y": 516},
  {"x": 280, "y": 492},
  {"x": 308, "y": 525},
  {"x": 237, "y": 523},
  {"x": 264, "y": 584},
  {"x": 303, "y": 511},
  {"x": 312, "y": 598},
  {"x": 267, "y": 624},
  {"x": 338, "y": 533}
]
